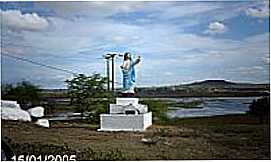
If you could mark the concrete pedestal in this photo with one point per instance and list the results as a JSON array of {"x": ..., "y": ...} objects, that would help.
[{"x": 126, "y": 115}]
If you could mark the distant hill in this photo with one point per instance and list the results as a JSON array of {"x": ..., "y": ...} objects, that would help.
[
  {"x": 212, "y": 83},
  {"x": 206, "y": 88},
  {"x": 224, "y": 83}
]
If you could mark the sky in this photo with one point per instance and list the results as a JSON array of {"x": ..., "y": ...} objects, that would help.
[{"x": 179, "y": 42}]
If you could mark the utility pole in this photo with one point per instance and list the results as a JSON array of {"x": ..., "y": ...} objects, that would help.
[
  {"x": 2, "y": 28},
  {"x": 107, "y": 71},
  {"x": 108, "y": 57},
  {"x": 113, "y": 70}
]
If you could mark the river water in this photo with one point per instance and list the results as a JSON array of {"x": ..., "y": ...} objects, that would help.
[
  {"x": 210, "y": 107},
  {"x": 213, "y": 107}
]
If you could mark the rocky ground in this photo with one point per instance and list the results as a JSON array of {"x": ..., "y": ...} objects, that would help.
[{"x": 227, "y": 137}]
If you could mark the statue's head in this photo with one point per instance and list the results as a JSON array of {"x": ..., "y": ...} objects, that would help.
[{"x": 127, "y": 55}]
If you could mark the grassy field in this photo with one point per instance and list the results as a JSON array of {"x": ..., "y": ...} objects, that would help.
[{"x": 222, "y": 137}]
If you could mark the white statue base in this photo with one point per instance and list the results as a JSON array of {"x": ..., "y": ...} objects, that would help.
[{"x": 126, "y": 115}]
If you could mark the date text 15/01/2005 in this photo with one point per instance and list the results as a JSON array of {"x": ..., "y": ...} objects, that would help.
[{"x": 44, "y": 158}]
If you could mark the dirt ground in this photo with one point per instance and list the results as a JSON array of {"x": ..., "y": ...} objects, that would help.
[{"x": 232, "y": 137}]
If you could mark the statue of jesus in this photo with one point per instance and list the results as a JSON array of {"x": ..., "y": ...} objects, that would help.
[{"x": 128, "y": 72}]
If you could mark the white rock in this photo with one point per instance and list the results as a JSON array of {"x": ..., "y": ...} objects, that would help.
[
  {"x": 36, "y": 111},
  {"x": 145, "y": 140},
  {"x": 10, "y": 104},
  {"x": 43, "y": 123},
  {"x": 8, "y": 113}
]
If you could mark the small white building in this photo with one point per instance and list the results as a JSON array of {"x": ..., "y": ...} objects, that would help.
[{"x": 126, "y": 115}]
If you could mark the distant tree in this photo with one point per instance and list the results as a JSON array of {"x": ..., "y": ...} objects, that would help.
[
  {"x": 86, "y": 92},
  {"x": 25, "y": 93},
  {"x": 261, "y": 108}
]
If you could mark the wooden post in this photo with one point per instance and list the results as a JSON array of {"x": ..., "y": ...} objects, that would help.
[
  {"x": 107, "y": 71},
  {"x": 113, "y": 81}
]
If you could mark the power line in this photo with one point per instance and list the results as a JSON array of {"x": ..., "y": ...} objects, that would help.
[
  {"x": 40, "y": 64},
  {"x": 31, "y": 61},
  {"x": 44, "y": 65},
  {"x": 6, "y": 44}
]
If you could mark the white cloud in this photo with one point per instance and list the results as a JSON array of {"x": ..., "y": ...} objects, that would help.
[
  {"x": 259, "y": 11},
  {"x": 266, "y": 58},
  {"x": 247, "y": 70},
  {"x": 177, "y": 11},
  {"x": 94, "y": 9},
  {"x": 216, "y": 27},
  {"x": 163, "y": 45},
  {"x": 29, "y": 21},
  {"x": 214, "y": 55}
]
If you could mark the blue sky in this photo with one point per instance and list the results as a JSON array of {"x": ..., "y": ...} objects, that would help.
[{"x": 179, "y": 42}]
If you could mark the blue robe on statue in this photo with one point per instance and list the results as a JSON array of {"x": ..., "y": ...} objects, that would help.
[{"x": 129, "y": 77}]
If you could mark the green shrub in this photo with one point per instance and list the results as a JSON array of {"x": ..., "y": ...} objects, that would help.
[
  {"x": 260, "y": 108},
  {"x": 25, "y": 93},
  {"x": 158, "y": 109},
  {"x": 89, "y": 94},
  {"x": 100, "y": 108}
]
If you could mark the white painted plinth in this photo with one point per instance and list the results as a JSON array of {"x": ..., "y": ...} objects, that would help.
[
  {"x": 118, "y": 109},
  {"x": 124, "y": 122},
  {"x": 127, "y": 101}
]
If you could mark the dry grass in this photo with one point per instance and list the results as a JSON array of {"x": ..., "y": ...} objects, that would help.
[{"x": 206, "y": 138}]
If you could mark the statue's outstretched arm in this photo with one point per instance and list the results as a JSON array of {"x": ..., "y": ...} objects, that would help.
[{"x": 136, "y": 61}]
